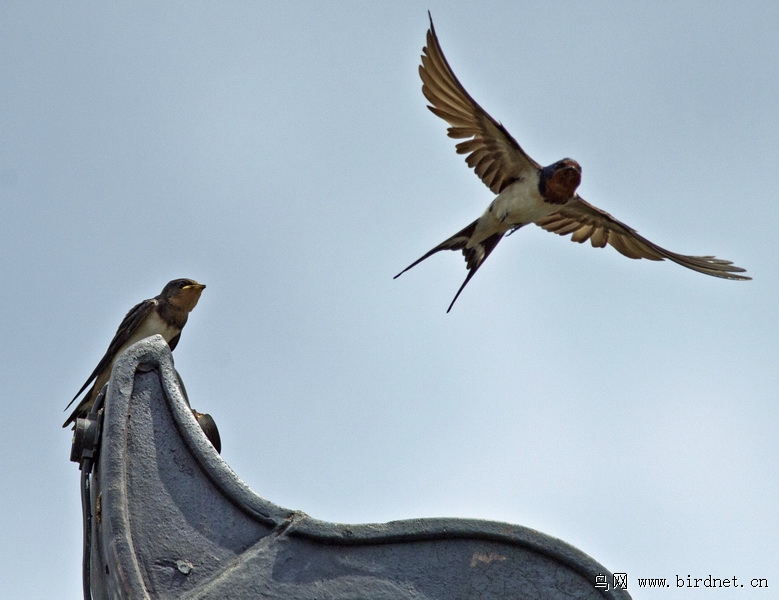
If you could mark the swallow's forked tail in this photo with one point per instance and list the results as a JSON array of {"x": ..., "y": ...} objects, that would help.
[
  {"x": 474, "y": 256},
  {"x": 81, "y": 410}
]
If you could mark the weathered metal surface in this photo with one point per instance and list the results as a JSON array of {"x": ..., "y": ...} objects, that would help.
[{"x": 172, "y": 520}]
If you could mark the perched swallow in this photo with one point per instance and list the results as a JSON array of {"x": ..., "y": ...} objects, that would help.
[
  {"x": 526, "y": 191},
  {"x": 211, "y": 431},
  {"x": 165, "y": 314}
]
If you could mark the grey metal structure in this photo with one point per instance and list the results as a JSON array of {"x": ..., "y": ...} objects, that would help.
[{"x": 170, "y": 519}]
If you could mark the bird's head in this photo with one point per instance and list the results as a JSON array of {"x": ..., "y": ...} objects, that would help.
[
  {"x": 558, "y": 182},
  {"x": 183, "y": 293}
]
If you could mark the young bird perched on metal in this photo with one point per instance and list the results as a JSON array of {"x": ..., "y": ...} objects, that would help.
[
  {"x": 526, "y": 191},
  {"x": 165, "y": 314}
]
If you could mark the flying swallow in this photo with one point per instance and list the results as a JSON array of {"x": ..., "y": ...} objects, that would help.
[
  {"x": 165, "y": 314},
  {"x": 526, "y": 191}
]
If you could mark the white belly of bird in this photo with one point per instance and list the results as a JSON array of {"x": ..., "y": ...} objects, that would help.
[
  {"x": 152, "y": 325},
  {"x": 519, "y": 204}
]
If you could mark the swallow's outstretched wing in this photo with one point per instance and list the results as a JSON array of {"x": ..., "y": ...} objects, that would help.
[
  {"x": 496, "y": 157},
  {"x": 587, "y": 222}
]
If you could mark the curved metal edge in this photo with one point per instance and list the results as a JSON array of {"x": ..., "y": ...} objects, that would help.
[
  {"x": 154, "y": 352},
  {"x": 454, "y": 528},
  {"x": 126, "y": 579},
  {"x": 111, "y": 467}
]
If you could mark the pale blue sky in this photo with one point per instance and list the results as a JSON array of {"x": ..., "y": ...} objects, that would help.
[{"x": 282, "y": 154}]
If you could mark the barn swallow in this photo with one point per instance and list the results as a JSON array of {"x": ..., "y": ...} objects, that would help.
[
  {"x": 526, "y": 191},
  {"x": 165, "y": 314},
  {"x": 211, "y": 431}
]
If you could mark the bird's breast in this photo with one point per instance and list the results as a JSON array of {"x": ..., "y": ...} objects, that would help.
[
  {"x": 521, "y": 203},
  {"x": 153, "y": 325}
]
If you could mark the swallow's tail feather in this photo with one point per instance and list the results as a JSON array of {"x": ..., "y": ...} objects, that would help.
[
  {"x": 81, "y": 409},
  {"x": 474, "y": 258},
  {"x": 456, "y": 242}
]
